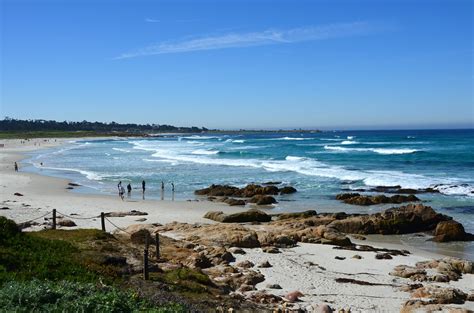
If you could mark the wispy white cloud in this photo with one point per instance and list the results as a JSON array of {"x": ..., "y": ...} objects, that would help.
[
  {"x": 249, "y": 39},
  {"x": 151, "y": 20}
]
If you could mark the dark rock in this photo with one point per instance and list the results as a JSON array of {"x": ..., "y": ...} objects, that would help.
[
  {"x": 234, "y": 202},
  {"x": 245, "y": 264},
  {"x": 383, "y": 256},
  {"x": 236, "y": 250},
  {"x": 273, "y": 286},
  {"x": 357, "y": 199},
  {"x": 339, "y": 258},
  {"x": 252, "y": 215},
  {"x": 451, "y": 231},
  {"x": 264, "y": 264},
  {"x": 245, "y": 288},
  {"x": 270, "y": 250},
  {"x": 287, "y": 190},
  {"x": 345, "y": 196},
  {"x": 115, "y": 260},
  {"x": 123, "y": 214},
  {"x": 18, "y": 194},
  {"x": 262, "y": 200},
  {"x": 66, "y": 222},
  {"x": 272, "y": 183},
  {"x": 199, "y": 261},
  {"x": 74, "y": 184},
  {"x": 218, "y": 191},
  {"x": 5, "y": 208},
  {"x": 304, "y": 214},
  {"x": 139, "y": 236}
]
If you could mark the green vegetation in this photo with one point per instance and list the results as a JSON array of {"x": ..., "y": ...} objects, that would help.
[
  {"x": 66, "y": 296},
  {"x": 14, "y": 128},
  {"x": 51, "y": 134},
  {"x": 185, "y": 280},
  {"x": 61, "y": 271}
]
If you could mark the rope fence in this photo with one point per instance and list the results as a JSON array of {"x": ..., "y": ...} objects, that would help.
[
  {"x": 32, "y": 220},
  {"x": 78, "y": 217},
  {"x": 103, "y": 218}
]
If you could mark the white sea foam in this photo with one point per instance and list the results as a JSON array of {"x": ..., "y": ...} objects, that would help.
[
  {"x": 235, "y": 140},
  {"x": 88, "y": 174},
  {"x": 291, "y": 138},
  {"x": 205, "y": 152},
  {"x": 385, "y": 151},
  {"x": 350, "y": 137},
  {"x": 330, "y": 139},
  {"x": 453, "y": 189},
  {"x": 195, "y": 137},
  {"x": 348, "y": 142},
  {"x": 122, "y": 150}
]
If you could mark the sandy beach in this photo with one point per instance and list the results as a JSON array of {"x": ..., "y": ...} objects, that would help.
[{"x": 311, "y": 269}]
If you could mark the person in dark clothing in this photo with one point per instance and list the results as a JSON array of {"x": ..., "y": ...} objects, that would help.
[
  {"x": 172, "y": 187},
  {"x": 143, "y": 186},
  {"x": 16, "y": 167},
  {"x": 119, "y": 187},
  {"x": 129, "y": 189}
]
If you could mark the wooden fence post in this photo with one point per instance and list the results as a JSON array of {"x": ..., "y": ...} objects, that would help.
[
  {"x": 145, "y": 259},
  {"x": 102, "y": 220},
  {"x": 54, "y": 218},
  {"x": 157, "y": 242}
]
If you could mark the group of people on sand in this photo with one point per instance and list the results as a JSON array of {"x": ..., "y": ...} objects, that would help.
[{"x": 121, "y": 189}]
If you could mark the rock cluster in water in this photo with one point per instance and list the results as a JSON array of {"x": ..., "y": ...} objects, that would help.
[
  {"x": 358, "y": 199},
  {"x": 260, "y": 195}
]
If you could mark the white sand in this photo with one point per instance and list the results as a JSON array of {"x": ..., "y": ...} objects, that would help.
[
  {"x": 293, "y": 272},
  {"x": 290, "y": 270}
]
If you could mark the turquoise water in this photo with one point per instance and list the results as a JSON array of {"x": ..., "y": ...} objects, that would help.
[{"x": 319, "y": 165}]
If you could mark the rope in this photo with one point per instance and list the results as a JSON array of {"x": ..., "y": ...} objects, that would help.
[
  {"x": 119, "y": 228},
  {"x": 47, "y": 213},
  {"x": 77, "y": 218}
]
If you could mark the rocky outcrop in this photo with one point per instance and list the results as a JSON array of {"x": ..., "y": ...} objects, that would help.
[
  {"x": 261, "y": 195},
  {"x": 296, "y": 215},
  {"x": 64, "y": 222},
  {"x": 287, "y": 190},
  {"x": 231, "y": 191},
  {"x": 252, "y": 215},
  {"x": 443, "y": 270},
  {"x": 399, "y": 189},
  {"x": 233, "y": 201},
  {"x": 123, "y": 214},
  {"x": 440, "y": 295},
  {"x": 406, "y": 219},
  {"x": 262, "y": 200},
  {"x": 451, "y": 231},
  {"x": 357, "y": 199}
]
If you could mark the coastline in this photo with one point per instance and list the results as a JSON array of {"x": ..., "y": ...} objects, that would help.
[{"x": 41, "y": 194}]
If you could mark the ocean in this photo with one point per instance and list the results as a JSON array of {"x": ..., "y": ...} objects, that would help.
[{"x": 318, "y": 165}]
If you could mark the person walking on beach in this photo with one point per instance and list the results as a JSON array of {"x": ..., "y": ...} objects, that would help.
[
  {"x": 119, "y": 186},
  {"x": 129, "y": 189},
  {"x": 143, "y": 189},
  {"x": 162, "y": 186},
  {"x": 172, "y": 187},
  {"x": 121, "y": 192},
  {"x": 16, "y": 167}
]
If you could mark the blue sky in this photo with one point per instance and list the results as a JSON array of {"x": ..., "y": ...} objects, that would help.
[{"x": 240, "y": 64}]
